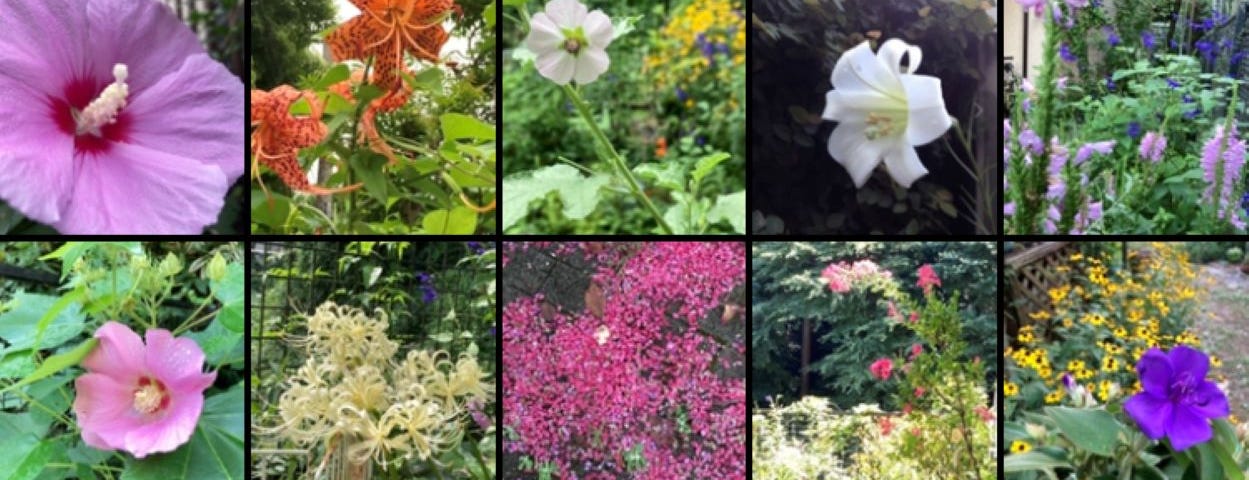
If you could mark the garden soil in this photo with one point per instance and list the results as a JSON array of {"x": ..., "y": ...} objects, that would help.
[{"x": 1224, "y": 327}]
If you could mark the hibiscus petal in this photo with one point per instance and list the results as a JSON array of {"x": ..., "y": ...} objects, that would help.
[
  {"x": 151, "y": 40},
  {"x": 43, "y": 44},
  {"x": 171, "y": 359},
  {"x": 169, "y": 432},
  {"x": 1154, "y": 369},
  {"x": 1151, "y": 412},
  {"x": 860, "y": 69},
  {"x": 104, "y": 409},
  {"x": 558, "y": 66},
  {"x": 904, "y": 166},
  {"x": 195, "y": 112},
  {"x": 1209, "y": 401},
  {"x": 136, "y": 190},
  {"x": 1187, "y": 360},
  {"x": 1187, "y": 428},
  {"x": 850, "y": 147},
  {"x": 566, "y": 13},
  {"x": 119, "y": 355},
  {"x": 591, "y": 63},
  {"x": 598, "y": 29},
  {"x": 36, "y": 164}
]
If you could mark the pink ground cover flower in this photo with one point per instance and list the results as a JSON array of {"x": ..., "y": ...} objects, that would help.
[
  {"x": 115, "y": 119},
  {"x": 881, "y": 369},
  {"x": 841, "y": 275},
  {"x": 137, "y": 398}
]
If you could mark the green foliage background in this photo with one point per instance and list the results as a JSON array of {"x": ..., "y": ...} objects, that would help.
[{"x": 785, "y": 290}]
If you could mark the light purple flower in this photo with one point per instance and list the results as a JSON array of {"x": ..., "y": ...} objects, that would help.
[
  {"x": 119, "y": 122},
  {"x": 1061, "y": 83},
  {"x": 1152, "y": 146},
  {"x": 1176, "y": 401},
  {"x": 1009, "y": 209},
  {"x": 1087, "y": 150},
  {"x": 1077, "y": 3},
  {"x": 1232, "y": 162},
  {"x": 1029, "y": 140},
  {"x": 1065, "y": 53},
  {"x": 1037, "y": 6}
]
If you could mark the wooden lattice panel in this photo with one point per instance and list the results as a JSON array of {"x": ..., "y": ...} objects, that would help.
[{"x": 1031, "y": 273}]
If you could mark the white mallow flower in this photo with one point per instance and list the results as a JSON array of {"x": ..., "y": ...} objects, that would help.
[
  {"x": 883, "y": 111},
  {"x": 570, "y": 44}
]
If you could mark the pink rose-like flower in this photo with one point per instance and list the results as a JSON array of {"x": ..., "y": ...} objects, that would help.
[
  {"x": 137, "y": 398},
  {"x": 916, "y": 349},
  {"x": 881, "y": 369}
]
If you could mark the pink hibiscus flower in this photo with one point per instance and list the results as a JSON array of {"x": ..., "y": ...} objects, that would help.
[
  {"x": 141, "y": 399},
  {"x": 116, "y": 120}
]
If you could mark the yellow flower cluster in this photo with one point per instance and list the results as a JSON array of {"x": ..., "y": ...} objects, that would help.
[
  {"x": 702, "y": 37},
  {"x": 1103, "y": 320}
]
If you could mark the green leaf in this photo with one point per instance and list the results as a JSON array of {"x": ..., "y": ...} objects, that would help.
[
  {"x": 1034, "y": 460},
  {"x": 513, "y": 3},
  {"x": 429, "y": 79},
  {"x": 1093, "y": 430},
  {"x": 271, "y": 210},
  {"x": 706, "y": 164},
  {"x": 9, "y": 218},
  {"x": 57, "y": 363},
  {"x": 301, "y": 108},
  {"x": 667, "y": 175},
  {"x": 334, "y": 75},
  {"x": 730, "y": 208},
  {"x": 18, "y": 325},
  {"x": 229, "y": 291},
  {"x": 215, "y": 450},
  {"x": 457, "y": 126},
  {"x": 459, "y": 221},
  {"x": 488, "y": 15},
  {"x": 29, "y": 465},
  {"x": 443, "y": 337},
  {"x": 61, "y": 304},
  {"x": 221, "y": 345},
  {"x": 624, "y": 25},
  {"x": 70, "y": 252},
  {"x": 580, "y": 194}
]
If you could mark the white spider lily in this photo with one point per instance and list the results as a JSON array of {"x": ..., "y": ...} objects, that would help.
[{"x": 883, "y": 111}]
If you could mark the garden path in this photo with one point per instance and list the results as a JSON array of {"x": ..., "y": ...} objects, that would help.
[{"x": 1225, "y": 329}]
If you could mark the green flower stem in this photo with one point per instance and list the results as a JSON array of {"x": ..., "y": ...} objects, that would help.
[{"x": 614, "y": 158}]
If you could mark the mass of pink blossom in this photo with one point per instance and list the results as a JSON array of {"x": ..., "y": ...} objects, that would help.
[
  {"x": 928, "y": 278},
  {"x": 580, "y": 399},
  {"x": 841, "y": 276},
  {"x": 881, "y": 369}
]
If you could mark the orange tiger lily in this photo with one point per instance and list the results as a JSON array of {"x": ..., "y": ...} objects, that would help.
[
  {"x": 279, "y": 135},
  {"x": 387, "y": 28}
]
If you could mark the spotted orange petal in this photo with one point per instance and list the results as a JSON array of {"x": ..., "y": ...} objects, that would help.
[{"x": 279, "y": 135}]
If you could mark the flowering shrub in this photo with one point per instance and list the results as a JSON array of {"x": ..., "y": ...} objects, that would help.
[
  {"x": 643, "y": 378},
  {"x": 946, "y": 425},
  {"x": 588, "y": 124},
  {"x": 1112, "y": 368},
  {"x": 1124, "y": 129},
  {"x": 396, "y": 132}
]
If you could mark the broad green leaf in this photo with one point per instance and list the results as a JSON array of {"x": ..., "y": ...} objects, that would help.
[
  {"x": 70, "y": 252},
  {"x": 16, "y": 365},
  {"x": 667, "y": 175},
  {"x": 334, "y": 75},
  {"x": 579, "y": 194},
  {"x": 488, "y": 15},
  {"x": 443, "y": 337},
  {"x": 706, "y": 164},
  {"x": 57, "y": 363},
  {"x": 1034, "y": 460},
  {"x": 429, "y": 79},
  {"x": 21, "y": 435},
  {"x": 220, "y": 345},
  {"x": 229, "y": 291},
  {"x": 367, "y": 93},
  {"x": 459, "y": 221},
  {"x": 30, "y": 465},
  {"x": 59, "y": 306},
  {"x": 513, "y": 3},
  {"x": 368, "y": 167},
  {"x": 9, "y": 218},
  {"x": 1208, "y": 464},
  {"x": 624, "y": 25},
  {"x": 1093, "y": 430},
  {"x": 214, "y": 451},
  {"x": 18, "y": 326},
  {"x": 301, "y": 108},
  {"x": 457, "y": 126},
  {"x": 730, "y": 208},
  {"x": 53, "y": 396},
  {"x": 271, "y": 210}
]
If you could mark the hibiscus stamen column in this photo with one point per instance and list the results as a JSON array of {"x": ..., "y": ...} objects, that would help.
[{"x": 104, "y": 109}]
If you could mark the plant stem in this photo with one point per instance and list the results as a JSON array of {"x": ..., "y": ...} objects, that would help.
[{"x": 614, "y": 158}]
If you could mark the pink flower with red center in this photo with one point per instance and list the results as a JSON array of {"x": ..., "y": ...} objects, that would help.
[
  {"x": 119, "y": 121},
  {"x": 143, "y": 399},
  {"x": 881, "y": 369},
  {"x": 927, "y": 278}
]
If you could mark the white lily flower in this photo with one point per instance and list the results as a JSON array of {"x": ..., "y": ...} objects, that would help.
[
  {"x": 570, "y": 43},
  {"x": 883, "y": 112}
]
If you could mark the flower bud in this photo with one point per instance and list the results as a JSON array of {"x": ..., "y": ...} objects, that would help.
[
  {"x": 170, "y": 266},
  {"x": 216, "y": 269}
]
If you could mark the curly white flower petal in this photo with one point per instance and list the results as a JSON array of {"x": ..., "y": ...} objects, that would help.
[
  {"x": 570, "y": 43},
  {"x": 883, "y": 110}
]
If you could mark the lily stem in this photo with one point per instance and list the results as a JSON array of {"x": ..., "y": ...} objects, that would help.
[{"x": 614, "y": 158}]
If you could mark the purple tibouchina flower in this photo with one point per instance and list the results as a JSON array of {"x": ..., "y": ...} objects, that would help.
[
  {"x": 1065, "y": 52},
  {"x": 1176, "y": 401}
]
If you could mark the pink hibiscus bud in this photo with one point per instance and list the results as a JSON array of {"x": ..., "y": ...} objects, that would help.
[
  {"x": 927, "y": 278},
  {"x": 881, "y": 369},
  {"x": 143, "y": 399}
]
